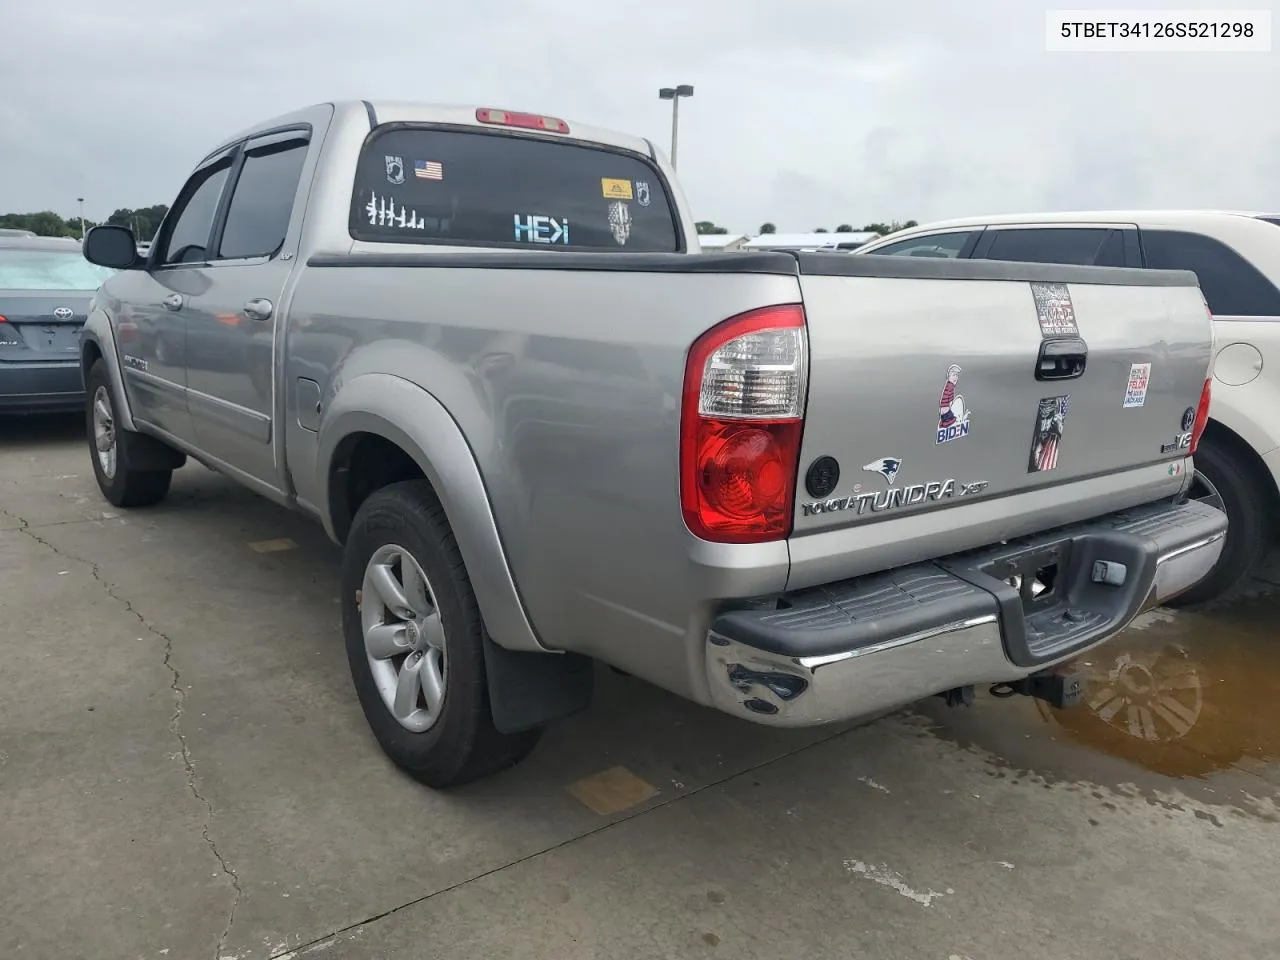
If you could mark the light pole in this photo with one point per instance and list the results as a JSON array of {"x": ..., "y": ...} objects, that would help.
[
  {"x": 80, "y": 200},
  {"x": 674, "y": 94}
]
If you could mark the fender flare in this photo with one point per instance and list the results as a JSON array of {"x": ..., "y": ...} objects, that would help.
[
  {"x": 97, "y": 330},
  {"x": 412, "y": 418}
]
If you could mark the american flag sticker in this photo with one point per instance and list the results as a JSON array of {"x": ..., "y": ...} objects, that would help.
[
  {"x": 428, "y": 170},
  {"x": 1051, "y": 421},
  {"x": 1054, "y": 310}
]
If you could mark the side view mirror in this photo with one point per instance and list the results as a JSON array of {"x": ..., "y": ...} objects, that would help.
[{"x": 112, "y": 246}]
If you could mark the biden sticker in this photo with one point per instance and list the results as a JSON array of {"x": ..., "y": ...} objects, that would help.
[{"x": 953, "y": 415}]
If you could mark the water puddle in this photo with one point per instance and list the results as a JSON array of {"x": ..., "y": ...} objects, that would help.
[{"x": 1184, "y": 694}]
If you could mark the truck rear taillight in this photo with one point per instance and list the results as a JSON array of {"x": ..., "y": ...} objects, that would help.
[
  {"x": 741, "y": 423},
  {"x": 1202, "y": 415},
  {"x": 527, "y": 121}
]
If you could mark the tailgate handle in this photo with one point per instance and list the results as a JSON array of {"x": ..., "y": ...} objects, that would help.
[{"x": 1062, "y": 359}]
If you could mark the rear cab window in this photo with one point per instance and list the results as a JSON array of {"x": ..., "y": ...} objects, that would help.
[{"x": 427, "y": 185}]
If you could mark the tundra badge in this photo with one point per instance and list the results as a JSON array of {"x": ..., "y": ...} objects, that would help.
[{"x": 909, "y": 495}]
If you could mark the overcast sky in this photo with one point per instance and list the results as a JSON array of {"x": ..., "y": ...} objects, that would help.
[{"x": 808, "y": 113}]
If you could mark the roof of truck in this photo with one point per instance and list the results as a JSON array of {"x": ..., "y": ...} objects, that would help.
[{"x": 408, "y": 111}]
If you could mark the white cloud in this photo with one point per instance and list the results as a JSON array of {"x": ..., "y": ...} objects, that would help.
[{"x": 807, "y": 114}]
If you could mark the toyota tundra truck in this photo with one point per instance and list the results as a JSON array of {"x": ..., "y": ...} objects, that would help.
[{"x": 484, "y": 349}]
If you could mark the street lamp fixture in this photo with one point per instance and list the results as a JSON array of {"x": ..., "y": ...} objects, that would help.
[
  {"x": 80, "y": 200},
  {"x": 674, "y": 94}
]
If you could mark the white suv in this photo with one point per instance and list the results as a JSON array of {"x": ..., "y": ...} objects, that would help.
[{"x": 1237, "y": 258}]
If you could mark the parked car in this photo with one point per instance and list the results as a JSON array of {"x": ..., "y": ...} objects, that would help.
[
  {"x": 15, "y": 232},
  {"x": 1236, "y": 257},
  {"x": 548, "y": 430},
  {"x": 45, "y": 289}
]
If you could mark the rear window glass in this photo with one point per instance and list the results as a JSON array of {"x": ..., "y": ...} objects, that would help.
[
  {"x": 417, "y": 185},
  {"x": 49, "y": 270}
]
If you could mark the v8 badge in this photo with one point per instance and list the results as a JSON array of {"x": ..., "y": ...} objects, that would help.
[{"x": 1181, "y": 442}]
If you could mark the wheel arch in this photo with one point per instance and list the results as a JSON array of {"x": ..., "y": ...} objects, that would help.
[
  {"x": 1219, "y": 434},
  {"x": 97, "y": 342},
  {"x": 379, "y": 429}
]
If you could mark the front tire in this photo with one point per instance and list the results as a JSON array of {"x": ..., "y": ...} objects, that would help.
[
  {"x": 414, "y": 641},
  {"x": 116, "y": 452},
  {"x": 1225, "y": 479}
]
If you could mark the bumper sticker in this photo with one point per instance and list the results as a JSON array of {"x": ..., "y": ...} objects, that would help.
[
  {"x": 1135, "y": 394},
  {"x": 615, "y": 189},
  {"x": 620, "y": 220},
  {"x": 1054, "y": 310},
  {"x": 953, "y": 416},
  {"x": 1051, "y": 421}
]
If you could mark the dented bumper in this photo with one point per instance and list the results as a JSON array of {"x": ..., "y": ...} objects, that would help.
[{"x": 996, "y": 615}]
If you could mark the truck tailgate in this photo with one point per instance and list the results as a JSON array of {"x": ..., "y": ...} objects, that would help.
[{"x": 935, "y": 383}]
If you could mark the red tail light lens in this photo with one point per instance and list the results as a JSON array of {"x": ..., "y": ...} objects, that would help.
[
  {"x": 1202, "y": 415},
  {"x": 741, "y": 424}
]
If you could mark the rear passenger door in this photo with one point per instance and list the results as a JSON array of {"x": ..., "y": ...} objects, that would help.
[
  {"x": 232, "y": 323},
  {"x": 1085, "y": 244}
]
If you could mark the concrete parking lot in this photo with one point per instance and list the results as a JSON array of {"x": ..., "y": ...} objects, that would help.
[{"x": 185, "y": 772}]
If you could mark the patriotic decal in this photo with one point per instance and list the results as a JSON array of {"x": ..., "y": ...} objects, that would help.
[
  {"x": 953, "y": 415},
  {"x": 620, "y": 220},
  {"x": 1054, "y": 310},
  {"x": 428, "y": 169},
  {"x": 1051, "y": 419},
  {"x": 395, "y": 169},
  {"x": 615, "y": 189}
]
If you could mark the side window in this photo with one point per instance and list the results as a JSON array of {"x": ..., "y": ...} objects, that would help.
[
  {"x": 188, "y": 238},
  {"x": 262, "y": 201},
  {"x": 1079, "y": 245},
  {"x": 934, "y": 245},
  {"x": 1233, "y": 286},
  {"x": 1112, "y": 252}
]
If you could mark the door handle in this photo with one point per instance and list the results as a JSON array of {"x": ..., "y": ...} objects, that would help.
[
  {"x": 1062, "y": 359},
  {"x": 258, "y": 309},
  {"x": 173, "y": 301}
]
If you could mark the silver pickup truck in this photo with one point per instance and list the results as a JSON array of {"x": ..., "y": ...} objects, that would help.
[{"x": 484, "y": 349}]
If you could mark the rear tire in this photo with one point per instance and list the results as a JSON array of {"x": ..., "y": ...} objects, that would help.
[
  {"x": 115, "y": 452},
  {"x": 1226, "y": 478},
  {"x": 420, "y": 671}
]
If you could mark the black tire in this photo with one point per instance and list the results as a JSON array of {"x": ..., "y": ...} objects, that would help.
[
  {"x": 1232, "y": 475},
  {"x": 463, "y": 744},
  {"x": 129, "y": 486}
]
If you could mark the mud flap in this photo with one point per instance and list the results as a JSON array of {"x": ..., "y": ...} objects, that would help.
[
  {"x": 528, "y": 690},
  {"x": 148, "y": 453}
]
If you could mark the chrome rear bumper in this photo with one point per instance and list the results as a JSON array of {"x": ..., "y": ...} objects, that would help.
[{"x": 865, "y": 646}]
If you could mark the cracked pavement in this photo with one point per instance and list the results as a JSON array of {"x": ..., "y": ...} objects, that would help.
[{"x": 185, "y": 773}]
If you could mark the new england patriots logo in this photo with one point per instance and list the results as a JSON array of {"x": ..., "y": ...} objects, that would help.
[{"x": 887, "y": 467}]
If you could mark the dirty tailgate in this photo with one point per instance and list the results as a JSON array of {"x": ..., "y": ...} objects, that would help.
[{"x": 935, "y": 381}]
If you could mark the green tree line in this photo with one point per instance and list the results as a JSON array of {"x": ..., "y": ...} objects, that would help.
[{"x": 143, "y": 221}]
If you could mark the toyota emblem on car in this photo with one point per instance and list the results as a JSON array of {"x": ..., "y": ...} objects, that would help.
[{"x": 64, "y": 313}]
